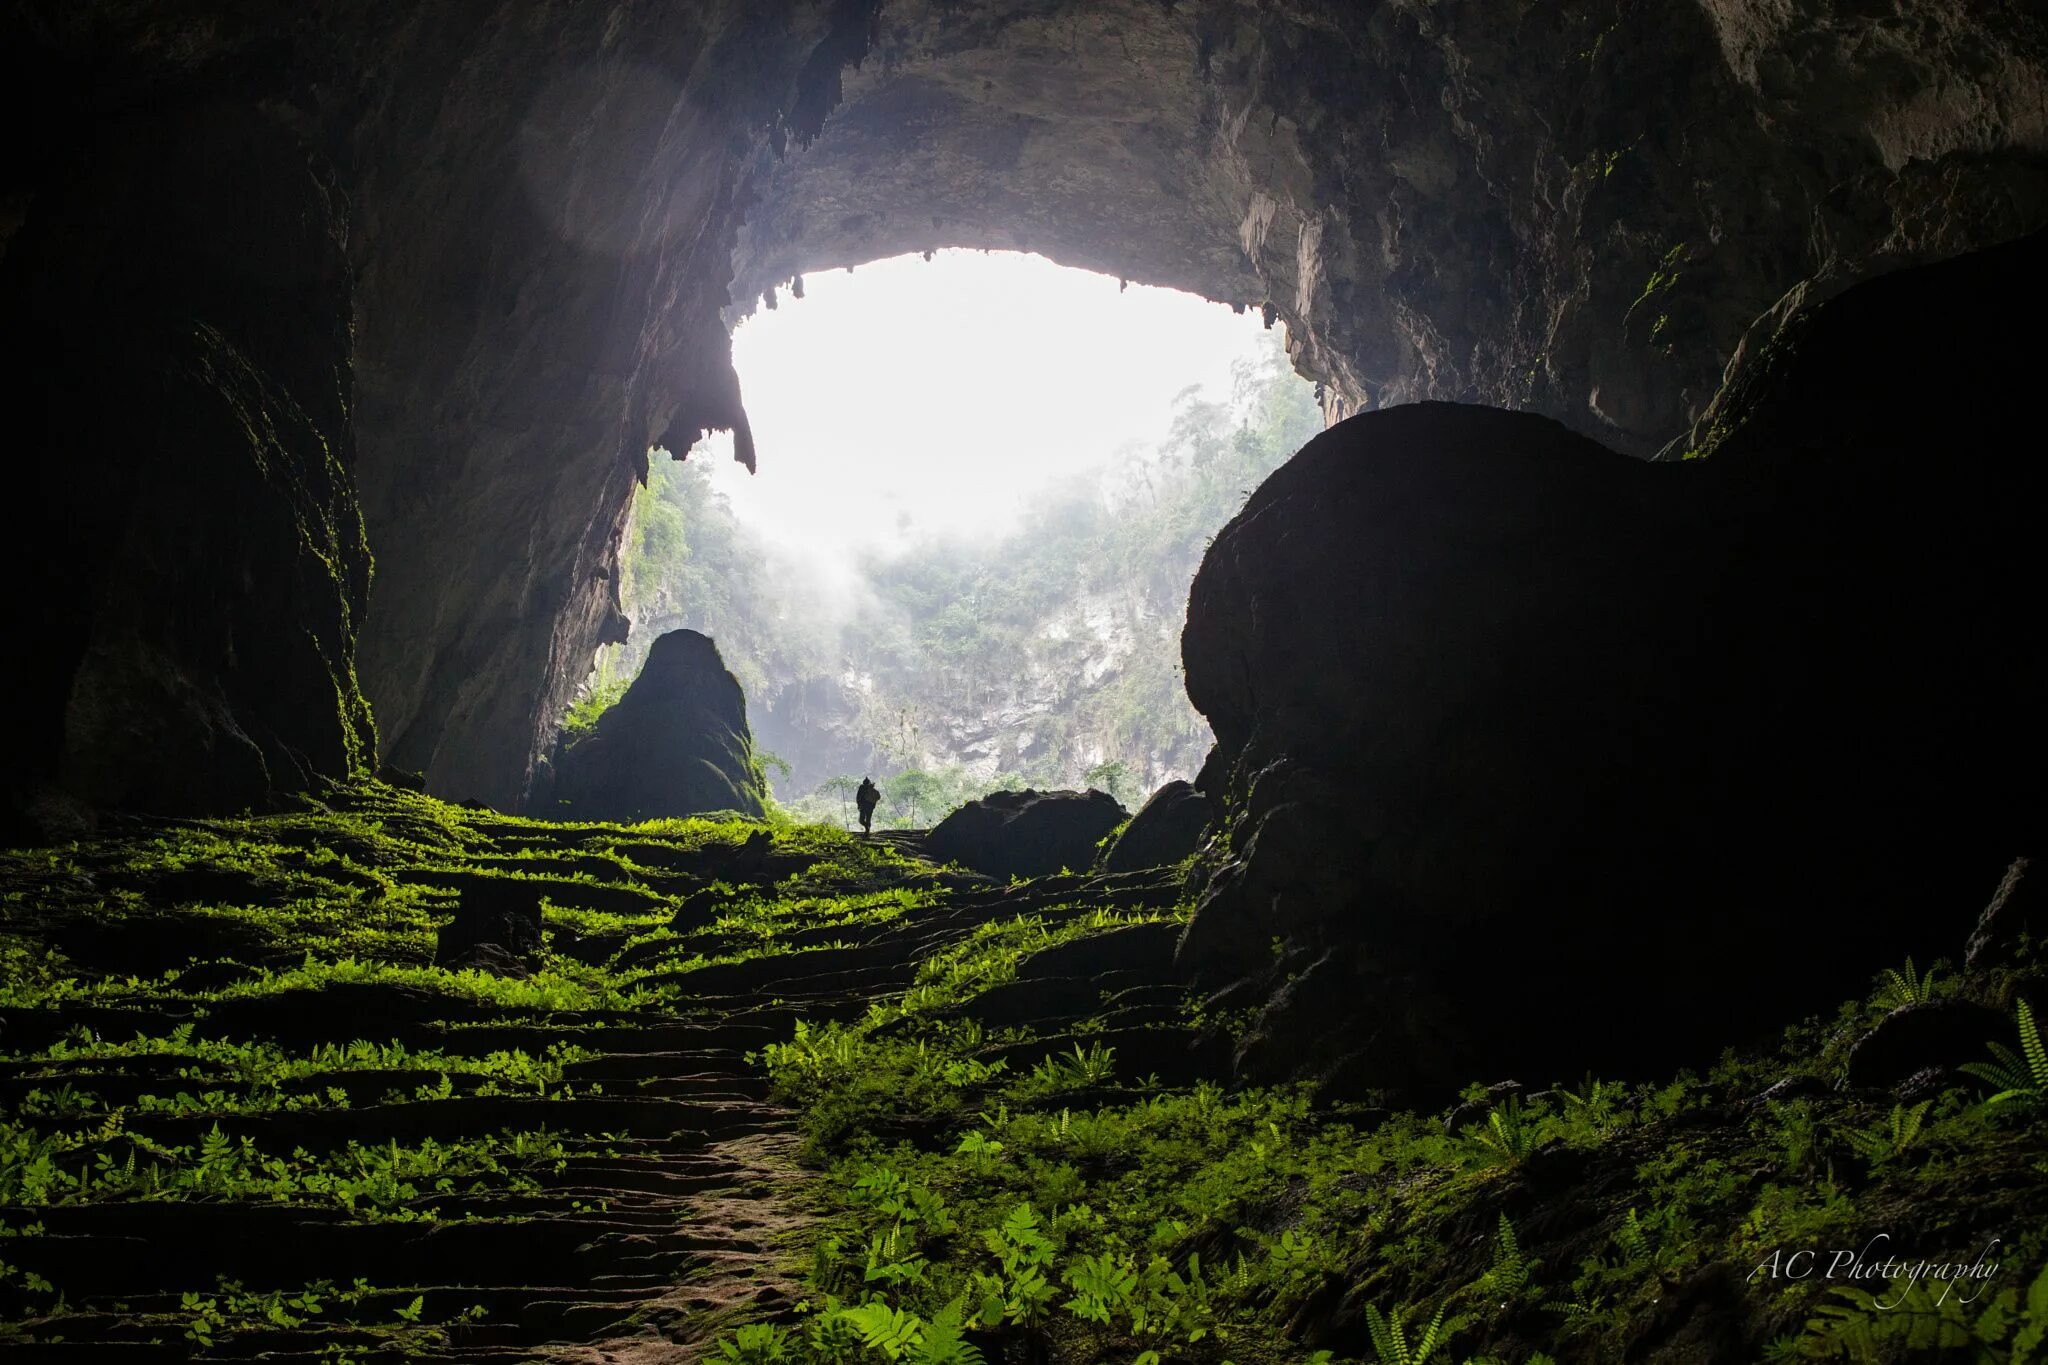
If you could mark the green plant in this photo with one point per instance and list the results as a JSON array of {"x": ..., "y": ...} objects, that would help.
[
  {"x": 1908, "y": 987},
  {"x": 1509, "y": 1132},
  {"x": 1104, "y": 1286},
  {"x": 583, "y": 714},
  {"x": 1509, "y": 1275},
  {"x": 1914, "y": 1315},
  {"x": 1076, "y": 1068},
  {"x": 1632, "y": 1240},
  {"x": 2020, "y": 1077},
  {"x": 1021, "y": 1291},
  {"x": 1887, "y": 1140},
  {"x": 1390, "y": 1342},
  {"x": 756, "y": 1344}
]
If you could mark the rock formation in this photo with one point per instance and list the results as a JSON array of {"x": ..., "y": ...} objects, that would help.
[
  {"x": 1508, "y": 724},
  {"x": 551, "y": 211},
  {"x": 675, "y": 744},
  {"x": 497, "y": 928},
  {"x": 1165, "y": 830},
  {"x": 1026, "y": 833},
  {"x": 185, "y": 560}
]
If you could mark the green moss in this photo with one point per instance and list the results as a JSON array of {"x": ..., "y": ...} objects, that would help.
[{"x": 978, "y": 1183}]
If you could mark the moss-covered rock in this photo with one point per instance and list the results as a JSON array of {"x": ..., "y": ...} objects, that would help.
[{"x": 677, "y": 743}]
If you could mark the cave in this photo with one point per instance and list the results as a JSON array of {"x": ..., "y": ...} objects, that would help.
[{"x": 1641, "y": 659}]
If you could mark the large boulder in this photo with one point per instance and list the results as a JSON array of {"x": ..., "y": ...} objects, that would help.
[
  {"x": 1547, "y": 758},
  {"x": 1166, "y": 830},
  {"x": 1027, "y": 833},
  {"x": 675, "y": 744}
]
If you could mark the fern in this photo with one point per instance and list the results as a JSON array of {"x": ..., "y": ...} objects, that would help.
[
  {"x": 1511, "y": 1270},
  {"x": 1103, "y": 1286},
  {"x": 1632, "y": 1240},
  {"x": 1922, "y": 1317},
  {"x": 1390, "y": 1336},
  {"x": 1888, "y": 1140},
  {"x": 945, "y": 1339},
  {"x": 901, "y": 1335},
  {"x": 1507, "y": 1132},
  {"x": 1076, "y": 1068},
  {"x": 2019, "y": 1077},
  {"x": 892, "y": 1331},
  {"x": 1907, "y": 988}
]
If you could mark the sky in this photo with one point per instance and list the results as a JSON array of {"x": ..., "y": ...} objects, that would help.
[{"x": 912, "y": 399}]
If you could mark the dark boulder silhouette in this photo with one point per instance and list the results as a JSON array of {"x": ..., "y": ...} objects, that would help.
[
  {"x": 1536, "y": 757},
  {"x": 1165, "y": 830},
  {"x": 675, "y": 744},
  {"x": 1939, "y": 1035},
  {"x": 1026, "y": 833},
  {"x": 497, "y": 928}
]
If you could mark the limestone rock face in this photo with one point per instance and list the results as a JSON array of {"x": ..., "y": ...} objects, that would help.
[
  {"x": 1026, "y": 833},
  {"x": 2018, "y": 912},
  {"x": 1166, "y": 829},
  {"x": 185, "y": 562},
  {"x": 551, "y": 212},
  {"x": 1507, "y": 723},
  {"x": 1575, "y": 209},
  {"x": 675, "y": 744}
]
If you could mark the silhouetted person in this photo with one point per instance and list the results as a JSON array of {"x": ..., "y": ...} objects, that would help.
[{"x": 867, "y": 798}]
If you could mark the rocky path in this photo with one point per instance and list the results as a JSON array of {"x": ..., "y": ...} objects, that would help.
[{"x": 631, "y": 1211}]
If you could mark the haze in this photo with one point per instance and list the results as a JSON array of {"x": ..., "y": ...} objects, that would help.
[{"x": 912, "y": 399}]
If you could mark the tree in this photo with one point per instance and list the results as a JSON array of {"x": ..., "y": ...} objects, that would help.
[
  {"x": 907, "y": 791},
  {"x": 1054, "y": 649},
  {"x": 843, "y": 788},
  {"x": 1114, "y": 777}
]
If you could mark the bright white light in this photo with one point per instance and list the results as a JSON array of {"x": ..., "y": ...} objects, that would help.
[{"x": 914, "y": 399}]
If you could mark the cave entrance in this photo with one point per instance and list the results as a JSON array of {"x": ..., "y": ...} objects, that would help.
[{"x": 985, "y": 483}]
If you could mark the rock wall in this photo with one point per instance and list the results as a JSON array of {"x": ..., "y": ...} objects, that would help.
[
  {"x": 185, "y": 556},
  {"x": 548, "y": 204},
  {"x": 1511, "y": 727},
  {"x": 1576, "y": 209}
]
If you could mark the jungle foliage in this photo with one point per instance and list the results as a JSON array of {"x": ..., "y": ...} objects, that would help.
[{"x": 969, "y": 667}]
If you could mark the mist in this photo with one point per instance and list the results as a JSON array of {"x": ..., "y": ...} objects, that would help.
[
  {"x": 862, "y": 394},
  {"x": 953, "y": 617}
]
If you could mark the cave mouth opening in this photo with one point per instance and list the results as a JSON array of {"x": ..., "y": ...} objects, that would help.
[{"x": 985, "y": 482}]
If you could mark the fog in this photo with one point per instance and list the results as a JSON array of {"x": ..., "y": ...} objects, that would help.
[
  {"x": 913, "y": 399},
  {"x": 985, "y": 484}
]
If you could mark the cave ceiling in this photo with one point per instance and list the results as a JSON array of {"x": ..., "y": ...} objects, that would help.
[{"x": 554, "y": 213}]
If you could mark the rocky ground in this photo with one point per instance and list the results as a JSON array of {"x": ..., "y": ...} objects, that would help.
[{"x": 778, "y": 1093}]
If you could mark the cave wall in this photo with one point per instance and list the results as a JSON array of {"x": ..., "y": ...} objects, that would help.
[
  {"x": 553, "y": 211},
  {"x": 185, "y": 557},
  {"x": 1576, "y": 209},
  {"x": 543, "y": 265}
]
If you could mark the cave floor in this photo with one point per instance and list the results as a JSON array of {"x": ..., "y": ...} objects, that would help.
[{"x": 805, "y": 1096}]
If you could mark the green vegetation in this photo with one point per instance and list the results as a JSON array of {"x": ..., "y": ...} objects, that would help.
[
  {"x": 958, "y": 670},
  {"x": 1125, "y": 1220},
  {"x": 983, "y": 1157},
  {"x": 2021, "y": 1077}
]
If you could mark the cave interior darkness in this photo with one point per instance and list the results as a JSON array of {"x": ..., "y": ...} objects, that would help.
[
  {"x": 1643, "y": 656},
  {"x": 519, "y": 246}
]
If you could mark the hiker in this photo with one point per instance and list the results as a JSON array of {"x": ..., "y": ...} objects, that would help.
[{"x": 867, "y": 798}]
